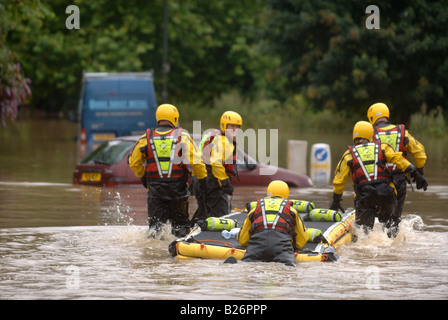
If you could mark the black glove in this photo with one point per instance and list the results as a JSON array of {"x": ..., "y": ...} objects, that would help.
[
  {"x": 419, "y": 180},
  {"x": 144, "y": 182},
  {"x": 336, "y": 204},
  {"x": 226, "y": 187}
]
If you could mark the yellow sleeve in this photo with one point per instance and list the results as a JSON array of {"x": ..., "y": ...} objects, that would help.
[
  {"x": 342, "y": 173},
  {"x": 416, "y": 150},
  {"x": 300, "y": 229},
  {"x": 137, "y": 158},
  {"x": 221, "y": 151},
  {"x": 395, "y": 157},
  {"x": 243, "y": 236},
  {"x": 193, "y": 155}
]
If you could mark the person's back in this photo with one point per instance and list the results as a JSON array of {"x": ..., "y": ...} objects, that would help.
[
  {"x": 220, "y": 154},
  {"x": 273, "y": 229},
  {"x": 160, "y": 158},
  {"x": 375, "y": 194},
  {"x": 400, "y": 140}
]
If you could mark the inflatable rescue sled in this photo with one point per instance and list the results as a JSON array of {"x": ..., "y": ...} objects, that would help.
[{"x": 214, "y": 238}]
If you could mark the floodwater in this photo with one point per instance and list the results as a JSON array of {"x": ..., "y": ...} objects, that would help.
[{"x": 59, "y": 241}]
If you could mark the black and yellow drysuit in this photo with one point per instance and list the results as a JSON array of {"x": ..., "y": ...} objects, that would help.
[
  {"x": 375, "y": 194},
  {"x": 162, "y": 158},
  {"x": 272, "y": 231},
  {"x": 219, "y": 154},
  {"x": 401, "y": 140}
]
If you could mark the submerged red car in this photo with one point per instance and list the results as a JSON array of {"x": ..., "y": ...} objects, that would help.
[{"x": 107, "y": 166}]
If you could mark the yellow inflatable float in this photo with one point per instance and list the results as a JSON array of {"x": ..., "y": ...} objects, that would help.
[{"x": 327, "y": 229}]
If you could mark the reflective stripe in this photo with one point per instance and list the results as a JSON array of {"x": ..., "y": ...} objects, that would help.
[
  {"x": 368, "y": 163},
  {"x": 174, "y": 142},
  {"x": 375, "y": 176},
  {"x": 263, "y": 213},
  {"x": 397, "y": 148},
  {"x": 397, "y": 144},
  {"x": 361, "y": 164},
  {"x": 154, "y": 152},
  {"x": 274, "y": 224},
  {"x": 399, "y": 131},
  {"x": 266, "y": 215},
  {"x": 173, "y": 147}
]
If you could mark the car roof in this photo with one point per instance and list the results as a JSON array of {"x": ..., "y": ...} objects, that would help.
[
  {"x": 136, "y": 137},
  {"x": 128, "y": 138}
]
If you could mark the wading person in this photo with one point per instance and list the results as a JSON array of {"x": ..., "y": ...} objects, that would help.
[
  {"x": 375, "y": 194},
  {"x": 160, "y": 158},
  {"x": 273, "y": 229},
  {"x": 400, "y": 140},
  {"x": 219, "y": 154}
]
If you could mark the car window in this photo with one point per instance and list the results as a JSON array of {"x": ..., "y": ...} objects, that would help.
[
  {"x": 110, "y": 152},
  {"x": 241, "y": 162}
]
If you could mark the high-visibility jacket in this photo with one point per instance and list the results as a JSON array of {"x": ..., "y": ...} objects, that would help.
[
  {"x": 164, "y": 156},
  {"x": 369, "y": 163},
  {"x": 274, "y": 213},
  {"x": 190, "y": 153},
  {"x": 344, "y": 168},
  {"x": 407, "y": 144},
  {"x": 219, "y": 154},
  {"x": 394, "y": 137}
]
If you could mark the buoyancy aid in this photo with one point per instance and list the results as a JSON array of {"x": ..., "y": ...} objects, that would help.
[
  {"x": 273, "y": 213},
  {"x": 368, "y": 163},
  {"x": 207, "y": 146},
  {"x": 164, "y": 154},
  {"x": 395, "y": 137}
]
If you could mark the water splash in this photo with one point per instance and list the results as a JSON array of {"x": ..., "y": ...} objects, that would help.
[
  {"x": 409, "y": 226},
  {"x": 119, "y": 209},
  {"x": 164, "y": 233}
]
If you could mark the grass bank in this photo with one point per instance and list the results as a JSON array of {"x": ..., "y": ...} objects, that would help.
[{"x": 296, "y": 115}]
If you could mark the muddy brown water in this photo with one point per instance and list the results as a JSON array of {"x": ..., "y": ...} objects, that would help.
[{"x": 59, "y": 241}]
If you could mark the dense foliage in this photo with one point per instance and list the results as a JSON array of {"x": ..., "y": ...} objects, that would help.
[
  {"x": 316, "y": 52},
  {"x": 14, "y": 86},
  {"x": 331, "y": 57}
]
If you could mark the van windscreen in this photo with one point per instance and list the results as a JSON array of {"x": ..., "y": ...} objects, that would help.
[{"x": 115, "y": 94}]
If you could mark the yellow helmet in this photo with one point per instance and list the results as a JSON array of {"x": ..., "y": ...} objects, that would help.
[
  {"x": 230, "y": 117},
  {"x": 363, "y": 129},
  {"x": 376, "y": 111},
  {"x": 278, "y": 188},
  {"x": 167, "y": 112}
]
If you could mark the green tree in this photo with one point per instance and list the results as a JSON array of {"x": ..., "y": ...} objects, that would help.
[
  {"x": 14, "y": 86},
  {"x": 329, "y": 56},
  {"x": 211, "y": 47}
]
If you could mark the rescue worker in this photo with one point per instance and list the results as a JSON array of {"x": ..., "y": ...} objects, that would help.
[
  {"x": 219, "y": 154},
  {"x": 273, "y": 229},
  {"x": 375, "y": 194},
  {"x": 160, "y": 158},
  {"x": 400, "y": 140}
]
